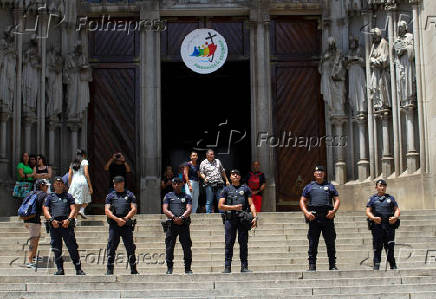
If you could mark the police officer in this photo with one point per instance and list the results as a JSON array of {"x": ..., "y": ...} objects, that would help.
[
  {"x": 59, "y": 209},
  {"x": 383, "y": 211},
  {"x": 120, "y": 207},
  {"x": 177, "y": 206},
  {"x": 319, "y": 203},
  {"x": 234, "y": 199}
]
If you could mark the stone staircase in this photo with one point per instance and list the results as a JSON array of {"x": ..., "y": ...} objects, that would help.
[{"x": 277, "y": 255}]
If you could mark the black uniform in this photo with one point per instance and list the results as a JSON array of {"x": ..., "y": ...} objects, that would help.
[
  {"x": 236, "y": 195},
  {"x": 383, "y": 234},
  {"x": 120, "y": 203},
  {"x": 320, "y": 203},
  {"x": 177, "y": 205},
  {"x": 59, "y": 208}
]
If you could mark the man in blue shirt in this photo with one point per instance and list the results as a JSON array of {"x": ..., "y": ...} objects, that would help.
[
  {"x": 319, "y": 203},
  {"x": 59, "y": 209},
  {"x": 383, "y": 211},
  {"x": 177, "y": 206}
]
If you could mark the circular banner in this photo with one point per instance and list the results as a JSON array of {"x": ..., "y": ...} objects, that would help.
[{"x": 204, "y": 51}]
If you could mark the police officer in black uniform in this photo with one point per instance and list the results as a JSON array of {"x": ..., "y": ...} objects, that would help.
[
  {"x": 319, "y": 203},
  {"x": 59, "y": 209},
  {"x": 234, "y": 199},
  {"x": 120, "y": 208},
  {"x": 177, "y": 206},
  {"x": 383, "y": 213}
]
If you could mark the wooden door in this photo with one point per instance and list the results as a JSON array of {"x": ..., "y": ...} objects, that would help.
[
  {"x": 298, "y": 106},
  {"x": 113, "y": 117}
]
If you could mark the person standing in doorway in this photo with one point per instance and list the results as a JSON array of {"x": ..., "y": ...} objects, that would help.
[
  {"x": 213, "y": 173},
  {"x": 80, "y": 183},
  {"x": 117, "y": 166},
  {"x": 191, "y": 174},
  {"x": 256, "y": 182}
]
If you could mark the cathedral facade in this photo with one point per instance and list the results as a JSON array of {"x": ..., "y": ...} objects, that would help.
[{"x": 348, "y": 84}]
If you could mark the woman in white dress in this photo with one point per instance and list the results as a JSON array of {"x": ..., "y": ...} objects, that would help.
[{"x": 80, "y": 183}]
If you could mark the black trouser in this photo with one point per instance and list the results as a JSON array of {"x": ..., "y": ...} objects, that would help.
[
  {"x": 232, "y": 227},
  {"x": 125, "y": 232},
  {"x": 383, "y": 236},
  {"x": 182, "y": 231},
  {"x": 327, "y": 227},
  {"x": 67, "y": 234}
]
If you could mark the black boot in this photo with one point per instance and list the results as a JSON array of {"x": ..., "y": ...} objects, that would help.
[
  {"x": 376, "y": 267},
  {"x": 133, "y": 269},
  {"x": 393, "y": 265},
  {"x": 110, "y": 270},
  {"x": 312, "y": 267},
  {"x": 227, "y": 269},
  {"x": 244, "y": 268},
  {"x": 60, "y": 271},
  {"x": 188, "y": 271},
  {"x": 80, "y": 272},
  {"x": 170, "y": 270}
]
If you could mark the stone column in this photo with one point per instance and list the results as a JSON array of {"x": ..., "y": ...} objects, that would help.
[
  {"x": 395, "y": 108},
  {"x": 150, "y": 105},
  {"x": 53, "y": 124},
  {"x": 74, "y": 126},
  {"x": 371, "y": 139},
  {"x": 28, "y": 120},
  {"x": 363, "y": 164},
  {"x": 4, "y": 161},
  {"x": 16, "y": 128},
  {"x": 422, "y": 110},
  {"x": 412, "y": 156},
  {"x": 387, "y": 159},
  {"x": 261, "y": 100},
  {"x": 338, "y": 122},
  {"x": 41, "y": 108}
]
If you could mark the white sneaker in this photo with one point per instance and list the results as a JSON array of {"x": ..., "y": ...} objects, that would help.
[
  {"x": 31, "y": 265},
  {"x": 82, "y": 213}
]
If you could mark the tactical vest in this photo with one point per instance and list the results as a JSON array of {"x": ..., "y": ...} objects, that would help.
[
  {"x": 177, "y": 204},
  {"x": 383, "y": 206},
  {"x": 120, "y": 204},
  {"x": 235, "y": 196},
  {"x": 320, "y": 196},
  {"x": 60, "y": 208}
]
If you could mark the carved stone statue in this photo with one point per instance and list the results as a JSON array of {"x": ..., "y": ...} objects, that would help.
[
  {"x": 77, "y": 76},
  {"x": 8, "y": 61},
  {"x": 54, "y": 67},
  {"x": 354, "y": 4},
  {"x": 379, "y": 84},
  {"x": 356, "y": 78},
  {"x": 333, "y": 75},
  {"x": 31, "y": 76},
  {"x": 405, "y": 64}
]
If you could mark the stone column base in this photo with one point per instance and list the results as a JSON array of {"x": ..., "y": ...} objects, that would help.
[
  {"x": 387, "y": 166},
  {"x": 340, "y": 173},
  {"x": 269, "y": 198},
  {"x": 412, "y": 162},
  {"x": 150, "y": 198},
  {"x": 363, "y": 170}
]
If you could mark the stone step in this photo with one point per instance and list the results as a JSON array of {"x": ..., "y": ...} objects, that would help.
[{"x": 223, "y": 291}]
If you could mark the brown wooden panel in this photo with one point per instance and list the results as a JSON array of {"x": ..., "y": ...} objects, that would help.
[
  {"x": 112, "y": 122},
  {"x": 236, "y": 33},
  {"x": 113, "y": 45},
  {"x": 298, "y": 107},
  {"x": 172, "y": 38},
  {"x": 299, "y": 114},
  {"x": 295, "y": 38}
]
